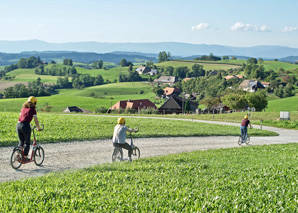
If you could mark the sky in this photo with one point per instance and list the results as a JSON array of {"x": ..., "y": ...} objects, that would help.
[{"x": 237, "y": 23}]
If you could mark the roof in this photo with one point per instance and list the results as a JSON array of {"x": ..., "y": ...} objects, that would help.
[
  {"x": 134, "y": 104},
  {"x": 186, "y": 79},
  {"x": 175, "y": 104},
  {"x": 76, "y": 109},
  {"x": 234, "y": 76},
  {"x": 251, "y": 84},
  {"x": 265, "y": 83},
  {"x": 140, "y": 68},
  {"x": 166, "y": 79}
]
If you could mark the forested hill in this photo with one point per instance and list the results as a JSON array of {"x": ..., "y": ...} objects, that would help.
[
  {"x": 175, "y": 48},
  {"x": 84, "y": 57}
]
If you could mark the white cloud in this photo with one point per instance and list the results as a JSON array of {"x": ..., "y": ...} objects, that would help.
[
  {"x": 40, "y": 25},
  {"x": 290, "y": 29},
  {"x": 239, "y": 26},
  {"x": 200, "y": 26}
]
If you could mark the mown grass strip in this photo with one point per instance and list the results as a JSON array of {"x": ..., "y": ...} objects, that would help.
[
  {"x": 248, "y": 179},
  {"x": 61, "y": 128}
]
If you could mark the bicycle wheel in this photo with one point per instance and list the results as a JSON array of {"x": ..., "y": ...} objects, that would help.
[
  {"x": 38, "y": 156},
  {"x": 136, "y": 153},
  {"x": 16, "y": 159},
  {"x": 117, "y": 154},
  {"x": 240, "y": 140},
  {"x": 248, "y": 140}
]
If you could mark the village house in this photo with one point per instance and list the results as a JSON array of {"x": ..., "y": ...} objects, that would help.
[
  {"x": 265, "y": 84},
  {"x": 166, "y": 80},
  {"x": 153, "y": 72},
  {"x": 251, "y": 85},
  {"x": 169, "y": 91},
  {"x": 143, "y": 70},
  {"x": 133, "y": 104},
  {"x": 176, "y": 105}
]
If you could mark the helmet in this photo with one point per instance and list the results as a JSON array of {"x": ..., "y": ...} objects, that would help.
[
  {"x": 32, "y": 99},
  {"x": 246, "y": 117},
  {"x": 121, "y": 120}
]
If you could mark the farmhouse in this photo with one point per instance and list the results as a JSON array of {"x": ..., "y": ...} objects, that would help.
[
  {"x": 176, "y": 105},
  {"x": 251, "y": 85},
  {"x": 76, "y": 109},
  {"x": 169, "y": 91},
  {"x": 265, "y": 84},
  {"x": 133, "y": 104},
  {"x": 166, "y": 80},
  {"x": 153, "y": 72},
  {"x": 143, "y": 70}
]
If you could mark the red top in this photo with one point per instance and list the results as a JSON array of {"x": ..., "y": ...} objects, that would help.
[
  {"x": 27, "y": 114},
  {"x": 245, "y": 122}
]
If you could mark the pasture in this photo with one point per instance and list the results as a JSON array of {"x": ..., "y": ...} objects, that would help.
[
  {"x": 189, "y": 64},
  {"x": 107, "y": 95}
]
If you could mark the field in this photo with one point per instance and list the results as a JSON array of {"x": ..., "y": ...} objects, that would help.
[
  {"x": 28, "y": 75},
  {"x": 189, "y": 64},
  {"x": 108, "y": 95},
  {"x": 248, "y": 179},
  {"x": 283, "y": 104},
  {"x": 61, "y": 128}
]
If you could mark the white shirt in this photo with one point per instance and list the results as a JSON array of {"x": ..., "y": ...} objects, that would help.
[{"x": 119, "y": 135}]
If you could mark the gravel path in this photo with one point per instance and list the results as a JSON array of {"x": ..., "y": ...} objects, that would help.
[{"x": 63, "y": 156}]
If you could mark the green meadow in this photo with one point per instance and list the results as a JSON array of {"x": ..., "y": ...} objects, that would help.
[
  {"x": 189, "y": 64},
  {"x": 247, "y": 179},
  {"x": 78, "y": 127},
  {"x": 107, "y": 95},
  {"x": 283, "y": 104}
]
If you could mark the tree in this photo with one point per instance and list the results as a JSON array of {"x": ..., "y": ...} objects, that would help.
[
  {"x": 258, "y": 100},
  {"x": 67, "y": 62},
  {"x": 159, "y": 92},
  {"x": 123, "y": 63},
  {"x": 163, "y": 56},
  {"x": 225, "y": 57},
  {"x": 260, "y": 61},
  {"x": 234, "y": 100},
  {"x": 252, "y": 61},
  {"x": 289, "y": 90}
]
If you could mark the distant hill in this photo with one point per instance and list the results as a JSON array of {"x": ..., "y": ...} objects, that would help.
[
  {"x": 84, "y": 57},
  {"x": 175, "y": 48}
]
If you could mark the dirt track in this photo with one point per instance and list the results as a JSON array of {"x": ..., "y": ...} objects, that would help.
[{"x": 74, "y": 155}]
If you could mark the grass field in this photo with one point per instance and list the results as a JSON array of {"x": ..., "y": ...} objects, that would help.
[
  {"x": 207, "y": 66},
  {"x": 283, "y": 104},
  {"x": 109, "y": 95},
  {"x": 248, "y": 179},
  {"x": 61, "y": 128},
  {"x": 28, "y": 75}
]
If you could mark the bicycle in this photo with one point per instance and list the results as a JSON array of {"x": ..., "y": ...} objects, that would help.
[
  {"x": 118, "y": 152},
  {"x": 37, "y": 154},
  {"x": 240, "y": 142}
]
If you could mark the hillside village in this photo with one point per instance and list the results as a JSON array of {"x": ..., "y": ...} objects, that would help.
[{"x": 178, "y": 89}]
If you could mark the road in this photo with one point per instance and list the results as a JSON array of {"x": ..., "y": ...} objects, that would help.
[{"x": 75, "y": 155}]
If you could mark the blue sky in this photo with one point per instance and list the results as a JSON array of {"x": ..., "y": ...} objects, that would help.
[{"x": 238, "y": 23}]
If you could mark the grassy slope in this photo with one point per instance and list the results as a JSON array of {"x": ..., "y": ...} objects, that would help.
[
  {"x": 283, "y": 104},
  {"x": 82, "y": 99},
  {"x": 248, "y": 179},
  {"x": 207, "y": 66}
]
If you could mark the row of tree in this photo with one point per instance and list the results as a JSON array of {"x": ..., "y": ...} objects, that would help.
[
  {"x": 35, "y": 88},
  {"x": 55, "y": 71}
]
